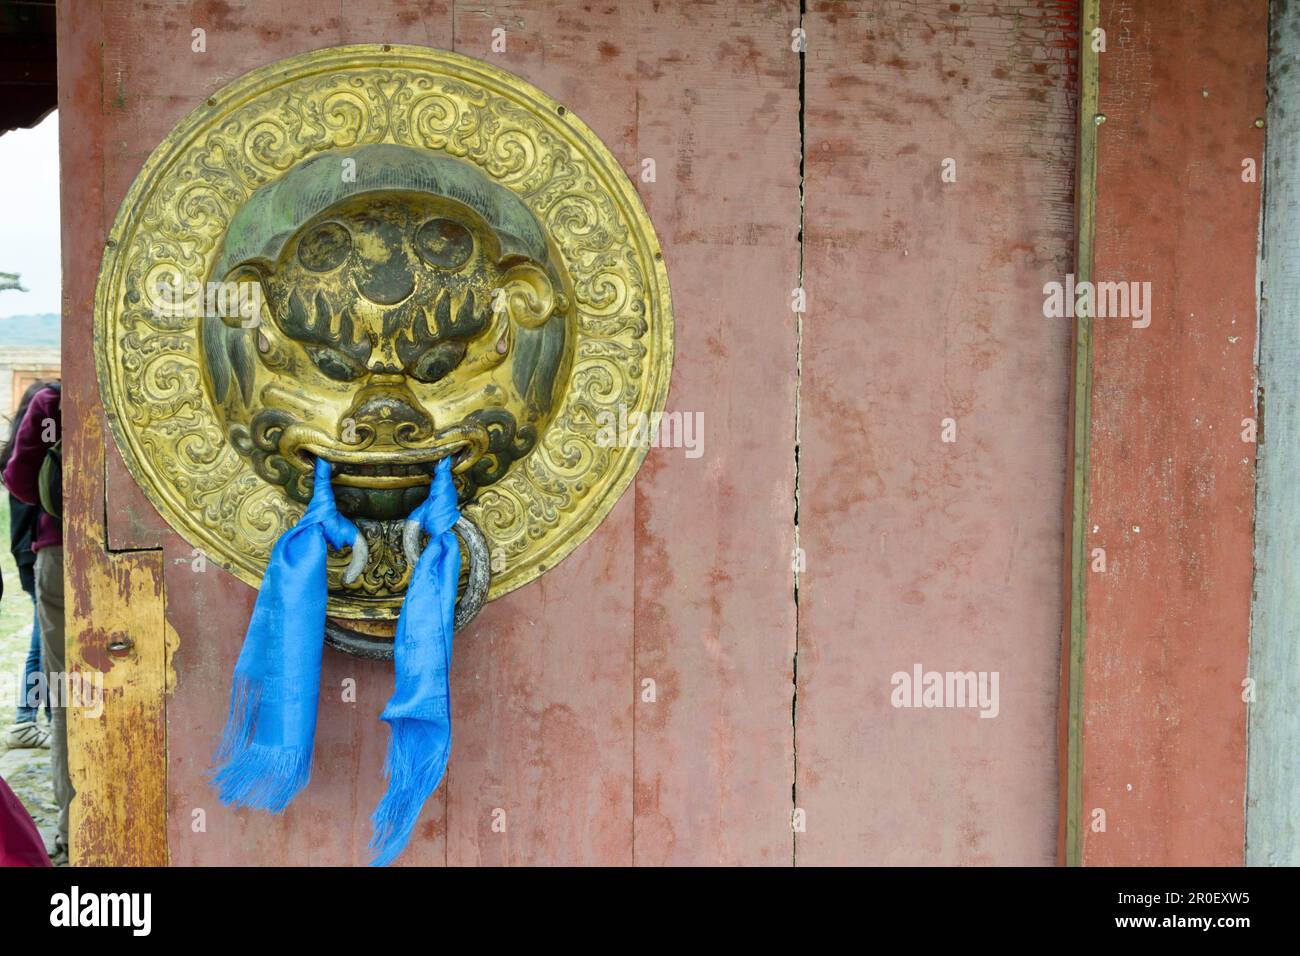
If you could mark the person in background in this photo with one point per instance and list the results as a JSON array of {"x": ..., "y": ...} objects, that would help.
[
  {"x": 25, "y": 731},
  {"x": 20, "y": 841},
  {"x": 36, "y": 443}
]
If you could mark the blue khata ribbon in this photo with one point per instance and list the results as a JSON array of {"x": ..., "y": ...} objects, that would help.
[
  {"x": 264, "y": 758},
  {"x": 418, "y": 714}
]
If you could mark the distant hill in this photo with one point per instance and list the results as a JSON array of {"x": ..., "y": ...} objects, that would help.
[{"x": 30, "y": 330}]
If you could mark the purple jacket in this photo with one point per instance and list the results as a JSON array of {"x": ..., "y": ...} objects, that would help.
[{"x": 24, "y": 468}]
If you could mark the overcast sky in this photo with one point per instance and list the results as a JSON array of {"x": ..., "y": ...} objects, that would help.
[{"x": 29, "y": 217}]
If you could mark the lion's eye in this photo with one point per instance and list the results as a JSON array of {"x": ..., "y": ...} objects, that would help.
[
  {"x": 438, "y": 361},
  {"x": 334, "y": 363},
  {"x": 325, "y": 247},
  {"x": 444, "y": 243}
]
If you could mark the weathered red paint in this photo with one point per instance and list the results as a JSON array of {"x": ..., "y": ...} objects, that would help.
[
  {"x": 1171, "y": 481},
  {"x": 924, "y": 304},
  {"x": 718, "y": 109}
]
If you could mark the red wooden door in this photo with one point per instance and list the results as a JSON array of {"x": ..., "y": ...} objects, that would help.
[{"x": 770, "y": 736}]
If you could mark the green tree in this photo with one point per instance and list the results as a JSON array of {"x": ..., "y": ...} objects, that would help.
[{"x": 10, "y": 280}]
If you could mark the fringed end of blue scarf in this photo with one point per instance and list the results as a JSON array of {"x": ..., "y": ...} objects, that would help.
[
  {"x": 250, "y": 774},
  {"x": 417, "y": 759}
]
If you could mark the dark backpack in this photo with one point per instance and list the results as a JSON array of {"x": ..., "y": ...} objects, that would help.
[{"x": 49, "y": 482}]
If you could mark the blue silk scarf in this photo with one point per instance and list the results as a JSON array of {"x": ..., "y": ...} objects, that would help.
[{"x": 265, "y": 754}]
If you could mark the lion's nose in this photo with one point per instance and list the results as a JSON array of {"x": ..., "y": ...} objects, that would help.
[{"x": 389, "y": 411}]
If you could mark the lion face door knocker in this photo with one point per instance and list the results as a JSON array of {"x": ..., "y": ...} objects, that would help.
[{"x": 383, "y": 257}]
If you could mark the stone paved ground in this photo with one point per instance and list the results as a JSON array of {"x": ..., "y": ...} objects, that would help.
[
  {"x": 28, "y": 774},
  {"x": 26, "y": 771}
]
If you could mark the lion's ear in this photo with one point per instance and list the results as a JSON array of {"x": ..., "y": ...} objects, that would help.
[
  {"x": 248, "y": 284},
  {"x": 228, "y": 354},
  {"x": 228, "y": 336},
  {"x": 529, "y": 296}
]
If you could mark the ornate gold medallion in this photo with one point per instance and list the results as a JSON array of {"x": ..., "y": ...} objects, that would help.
[{"x": 383, "y": 256}]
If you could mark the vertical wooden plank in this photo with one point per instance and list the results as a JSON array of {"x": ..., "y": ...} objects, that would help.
[
  {"x": 718, "y": 112},
  {"x": 541, "y": 765},
  {"x": 118, "y": 602},
  {"x": 108, "y": 598},
  {"x": 1273, "y": 781},
  {"x": 1171, "y": 482},
  {"x": 925, "y": 304}
]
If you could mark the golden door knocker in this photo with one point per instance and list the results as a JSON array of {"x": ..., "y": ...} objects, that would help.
[{"x": 383, "y": 256}]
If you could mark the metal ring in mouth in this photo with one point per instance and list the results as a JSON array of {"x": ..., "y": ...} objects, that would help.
[{"x": 468, "y": 605}]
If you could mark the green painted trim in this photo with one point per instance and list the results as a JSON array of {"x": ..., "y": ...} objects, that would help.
[{"x": 1085, "y": 211}]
